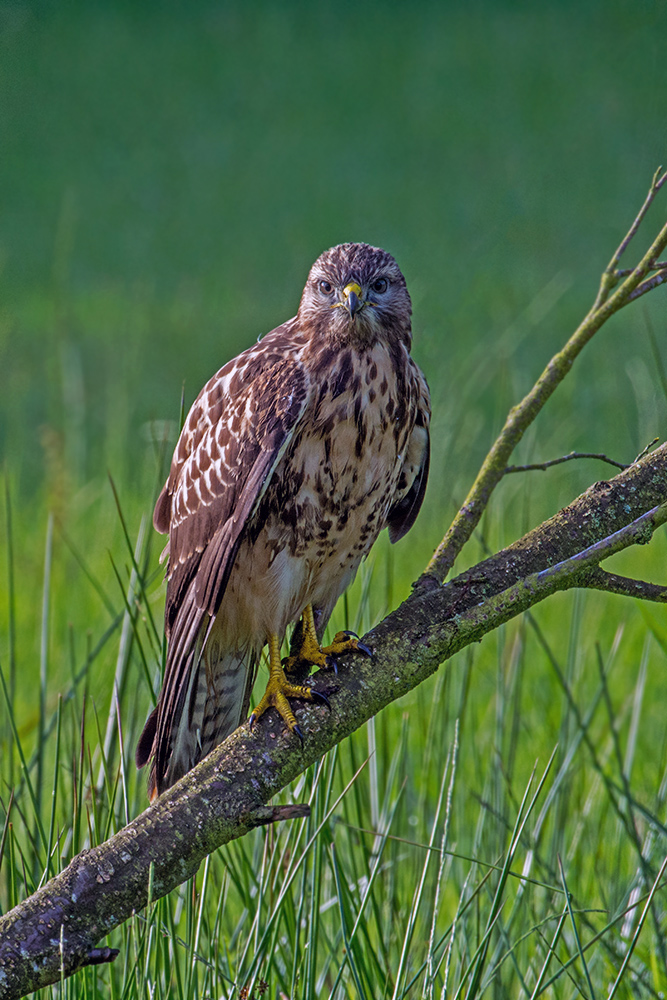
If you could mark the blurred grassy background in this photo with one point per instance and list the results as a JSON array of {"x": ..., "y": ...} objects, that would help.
[{"x": 169, "y": 172}]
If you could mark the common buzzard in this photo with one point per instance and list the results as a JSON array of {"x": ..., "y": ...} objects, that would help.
[{"x": 293, "y": 458}]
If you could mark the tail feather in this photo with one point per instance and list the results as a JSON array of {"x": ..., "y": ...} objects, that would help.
[
  {"x": 216, "y": 702},
  {"x": 145, "y": 745}
]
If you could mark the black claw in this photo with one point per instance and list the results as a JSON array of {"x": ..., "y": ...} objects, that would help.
[
  {"x": 298, "y": 733},
  {"x": 252, "y": 720},
  {"x": 347, "y": 631},
  {"x": 322, "y": 698},
  {"x": 366, "y": 650}
]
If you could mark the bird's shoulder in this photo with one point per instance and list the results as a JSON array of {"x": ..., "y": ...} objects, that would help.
[{"x": 247, "y": 405}]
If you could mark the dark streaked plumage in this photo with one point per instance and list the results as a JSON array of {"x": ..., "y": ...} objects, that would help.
[{"x": 293, "y": 458}]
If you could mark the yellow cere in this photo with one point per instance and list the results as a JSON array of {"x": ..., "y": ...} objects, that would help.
[{"x": 352, "y": 287}]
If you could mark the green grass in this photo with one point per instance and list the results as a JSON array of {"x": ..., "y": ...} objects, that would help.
[
  {"x": 168, "y": 175},
  {"x": 440, "y": 840}
]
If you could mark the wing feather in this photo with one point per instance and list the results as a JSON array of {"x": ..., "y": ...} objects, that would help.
[
  {"x": 231, "y": 443},
  {"x": 404, "y": 512}
]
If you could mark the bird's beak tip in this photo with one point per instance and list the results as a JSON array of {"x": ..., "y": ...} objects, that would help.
[{"x": 353, "y": 298}]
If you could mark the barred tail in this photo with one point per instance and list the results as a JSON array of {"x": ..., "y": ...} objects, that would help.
[{"x": 216, "y": 702}]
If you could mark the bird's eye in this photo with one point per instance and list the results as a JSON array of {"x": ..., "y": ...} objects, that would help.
[
  {"x": 380, "y": 285},
  {"x": 326, "y": 287}
]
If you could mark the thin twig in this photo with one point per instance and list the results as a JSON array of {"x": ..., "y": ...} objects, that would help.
[
  {"x": 648, "y": 285},
  {"x": 625, "y": 271},
  {"x": 540, "y": 466},
  {"x": 599, "y": 579},
  {"x": 610, "y": 271},
  {"x": 646, "y": 450},
  {"x": 638, "y": 532}
]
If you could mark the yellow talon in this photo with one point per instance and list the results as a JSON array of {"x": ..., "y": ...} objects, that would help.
[
  {"x": 278, "y": 690},
  {"x": 311, "y": 654},
  {"x": 344, "y": 643}
]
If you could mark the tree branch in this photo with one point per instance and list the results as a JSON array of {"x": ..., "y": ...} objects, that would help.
[
  {"x": 56, "y": 930},
  {"x": 521, "y": 416}
]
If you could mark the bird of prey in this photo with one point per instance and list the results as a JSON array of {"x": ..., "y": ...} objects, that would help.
[{"x": 293, "y": 458}]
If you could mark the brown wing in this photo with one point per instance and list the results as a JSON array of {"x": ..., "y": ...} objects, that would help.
[
  {"x": 233, "y": 438},
  {"x": 404, "y": 512}
]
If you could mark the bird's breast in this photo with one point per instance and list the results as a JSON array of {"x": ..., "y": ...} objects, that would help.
[
  {"x": 340, "y": 475},
  {"x": 329, "y": 496}
]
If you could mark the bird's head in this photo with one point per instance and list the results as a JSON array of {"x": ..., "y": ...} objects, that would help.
[{"x": 356, "y": 293}]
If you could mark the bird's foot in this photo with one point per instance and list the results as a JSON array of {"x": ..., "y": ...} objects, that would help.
[
  {"x": 311, "y": 654},
  {"x": 278, "y": 690},
  {"x": 346, "y": 642}
]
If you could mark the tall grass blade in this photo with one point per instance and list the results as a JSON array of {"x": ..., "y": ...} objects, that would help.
[
  {"x": 11, "y": 608},
  {"x": 260, "y": 941},
  {"x": 124, "y": 649},
  {"x": 419, "y": 889},
  {"x": 433, "y": 966},
  {"x": 54, "y": 800},
  {"x": 44, "y": 661},
  {"x": 525, "y": 810},
  {"x": 575, "y": 931},
  {"x": 361, "y": 993},
  {"x": 635, "y": 938},
  {"x": 551, "y": 951},
  {"x": 380, "y": 840},
  {"x": 24, "y": 769}
]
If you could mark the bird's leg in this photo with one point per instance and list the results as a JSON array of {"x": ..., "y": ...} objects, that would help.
[
  {"x": 311, "y": 654},
  {"x": 279, "y": 689}
]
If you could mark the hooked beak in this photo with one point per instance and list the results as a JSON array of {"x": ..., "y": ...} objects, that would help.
[{"x": 352, "y": 298}]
